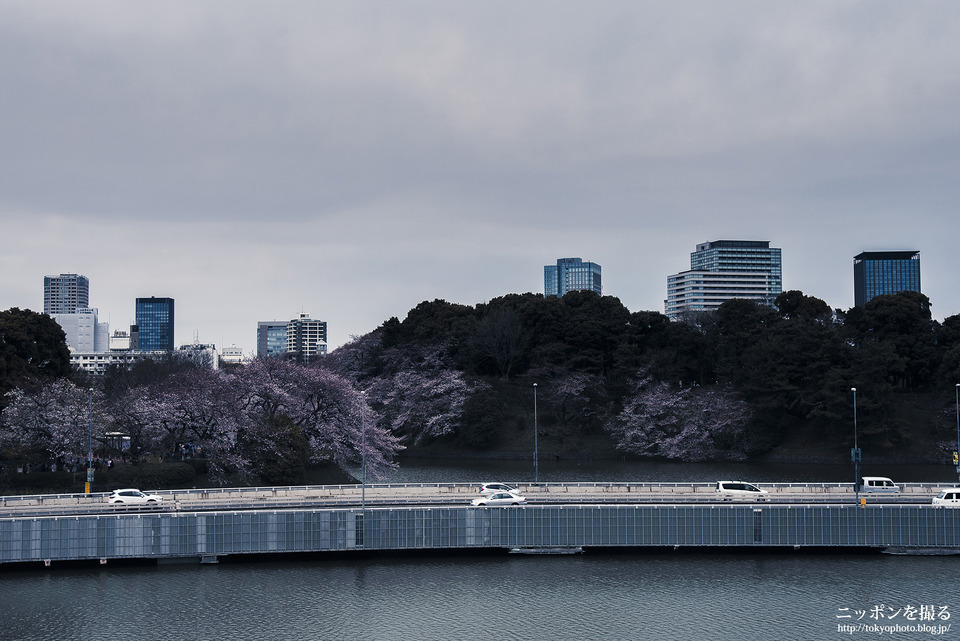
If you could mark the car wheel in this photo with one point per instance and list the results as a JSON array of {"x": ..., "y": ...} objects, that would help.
[{"x": 514, "y": 504}]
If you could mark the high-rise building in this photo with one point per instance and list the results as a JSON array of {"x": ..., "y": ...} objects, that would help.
[
  {"x": 886, "y": 272},
  {"x": 65, "y": 294},
  {"x": 84, "y": 333},
  {"x": 155, "y": 323},
  {"x": 722, "y": 270},
  {"x": 271, "y": 338},
  {"x": 306, "y": 338},
  {"x": 570, "y": 274}
]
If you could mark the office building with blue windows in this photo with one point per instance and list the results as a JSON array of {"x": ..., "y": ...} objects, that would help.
[
  {"x": 722, "y": 270},
  {"x": 884, "y": 272},
  {"x": 301, "y": 339},
  {"x": 155, "y": 323},
  {"x": 272, "y": 338},
  {"x": 571, "y": 274}
]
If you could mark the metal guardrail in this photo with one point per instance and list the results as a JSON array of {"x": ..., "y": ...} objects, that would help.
[{"x": 411, "y": 494}]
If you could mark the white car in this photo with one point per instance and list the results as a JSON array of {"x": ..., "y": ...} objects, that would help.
[
  {"x": 131, "y": 495},
  {"x": 500, "y": 498},
  {"x": 488, "y": 489},
  {"x": 947, "y": 498},
  {"x": 730, "y": 490},
  {"x": 879, "y": 485}
]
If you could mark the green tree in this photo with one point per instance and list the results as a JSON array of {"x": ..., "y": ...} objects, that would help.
[
  {"x": 33, "y": 348},
  {"x": 895, "y": 333},
  {"x": 500, "y": 339}
]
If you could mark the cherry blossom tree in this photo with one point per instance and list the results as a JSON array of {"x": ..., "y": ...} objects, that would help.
[
  {"x": 358, "y": 359},
  {"x": 322, "y": 405},
  {"x": 251, "y": 421},
  {"x": 142, "y": 414},
  {"x": 420, "y": 395},
  {"x": 55, "y": 419},
  {"x": 684, "y": 423}
]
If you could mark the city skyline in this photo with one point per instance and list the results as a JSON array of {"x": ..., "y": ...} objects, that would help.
[{"x": 355, "y": 161}]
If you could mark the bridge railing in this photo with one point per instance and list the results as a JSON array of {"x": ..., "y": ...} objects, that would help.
[{"x": 379, "y": 494}]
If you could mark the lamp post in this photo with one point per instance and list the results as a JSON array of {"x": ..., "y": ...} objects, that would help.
[
  {"x": 855, "y": 452},
  {"x": 956, "y": 461},
  {"x": 90, "y": 450},
  {"x": 363, "y": 455},
  {"x": 536, "y": 468}
]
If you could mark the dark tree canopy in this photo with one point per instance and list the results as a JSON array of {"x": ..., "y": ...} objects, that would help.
[
  {"x": 33, "y": 348},
  {"x": 461, "y": 377}
]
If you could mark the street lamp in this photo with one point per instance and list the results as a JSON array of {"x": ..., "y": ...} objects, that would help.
[
  {"x": 536, "y": 468},
  {"x": 363, "y": 455},
  {"x": 955, "y": 459},
  {"x": 855, "y": 452},
  {"x": 90, "y": 451}
]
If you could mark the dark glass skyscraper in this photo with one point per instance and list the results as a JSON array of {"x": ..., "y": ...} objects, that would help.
[
  {"x": 876, "y": 273},
  {"x": 155, "y": 323}
]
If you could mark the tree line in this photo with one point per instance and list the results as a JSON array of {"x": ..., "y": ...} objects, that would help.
[
  {"x": 737, "y": 383},
  {"x": 742, "y": 382}
]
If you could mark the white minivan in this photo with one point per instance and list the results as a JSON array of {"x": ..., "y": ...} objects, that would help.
[
  {"x": 948, "y": 498},
  {"x": 878, "y": 485},
  {"x": 730, "y": 490}
]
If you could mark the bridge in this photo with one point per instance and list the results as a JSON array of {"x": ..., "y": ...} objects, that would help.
[{"x": 208, "y": 525}]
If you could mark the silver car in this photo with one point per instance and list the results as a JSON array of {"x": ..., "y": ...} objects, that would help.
[
  {"x": 730, "y": 490},
  {"x": 488, "y": 489},
  {"x": 500, "y": 498},
  {"x": 132, "y": 496}
]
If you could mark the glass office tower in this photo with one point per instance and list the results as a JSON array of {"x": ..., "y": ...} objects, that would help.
[
  {"x": 155, "y": 323},
  {"x": 888, "y": 272},
  {"x": 570, "y": 274},
  {"x": 271, "y": 338}
]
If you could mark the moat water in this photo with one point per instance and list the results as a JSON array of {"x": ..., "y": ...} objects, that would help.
[{"x": 672, "y": 595}]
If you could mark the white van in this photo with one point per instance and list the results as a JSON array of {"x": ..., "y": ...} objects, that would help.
[
  {"x": 729, "y": 490},
  {"x": 878, "y": 485},
  {"x": 948, "y": 498}
]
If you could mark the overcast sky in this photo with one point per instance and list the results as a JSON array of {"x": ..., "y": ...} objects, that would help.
[{"x": 255, "y": 160}]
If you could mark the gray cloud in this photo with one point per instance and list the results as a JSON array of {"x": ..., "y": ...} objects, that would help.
[{"x": 305, "y": 150}]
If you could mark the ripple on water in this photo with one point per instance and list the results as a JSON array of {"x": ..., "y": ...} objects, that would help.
[{"x": 663, "y": 596}]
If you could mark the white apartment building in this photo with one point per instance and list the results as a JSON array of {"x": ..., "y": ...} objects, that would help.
[
  {"x": 306, "y": 338},
  {"x": 84, "y": 333},
  {"x": 722, "y": 270}
]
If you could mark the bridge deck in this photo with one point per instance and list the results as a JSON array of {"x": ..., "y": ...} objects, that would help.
[{"x": 207, "y": 535}]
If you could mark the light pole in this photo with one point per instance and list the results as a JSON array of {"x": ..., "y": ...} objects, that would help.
[
  {"x": 363, "y": 455},
  {"x": 956, "y": 461},
  {"x": 90, "y": 451},
  {"x": 855, "y": 452},
  {"x": 536, "y": 458}
]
